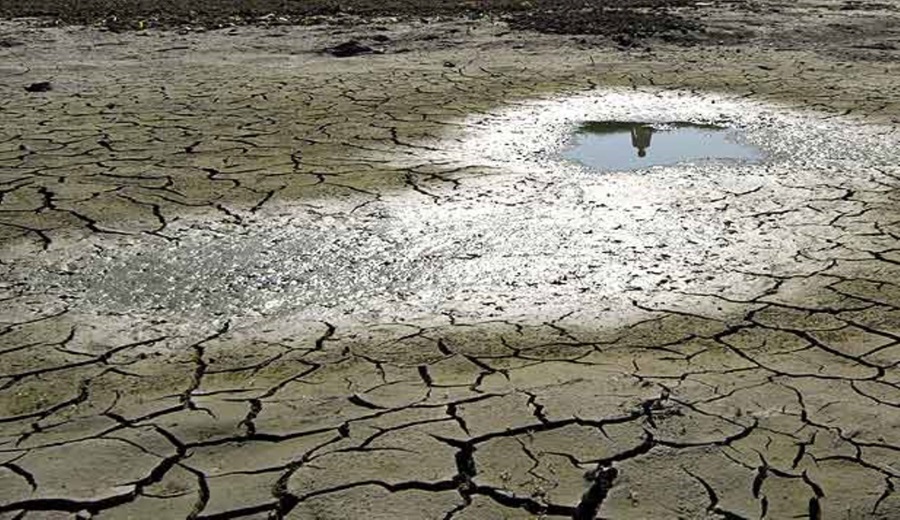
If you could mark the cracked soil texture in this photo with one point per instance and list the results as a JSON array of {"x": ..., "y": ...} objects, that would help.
[{"x": 720, "y": 389}]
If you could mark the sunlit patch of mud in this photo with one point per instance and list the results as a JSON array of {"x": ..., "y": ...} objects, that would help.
[{"x": 548, "y": 237}]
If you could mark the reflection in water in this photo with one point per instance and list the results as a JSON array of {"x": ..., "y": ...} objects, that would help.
[
  {"x": 640, "y": 138},
  {"x": 599, "y": 144}
]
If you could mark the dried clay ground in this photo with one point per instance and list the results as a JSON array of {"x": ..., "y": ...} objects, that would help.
[{"x": 705, "y": 388}]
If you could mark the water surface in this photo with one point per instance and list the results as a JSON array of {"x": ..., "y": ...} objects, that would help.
[{"x": 619, "y": 145}]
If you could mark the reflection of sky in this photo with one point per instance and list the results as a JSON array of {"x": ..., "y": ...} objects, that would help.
[{"x": 612, "y": 150}]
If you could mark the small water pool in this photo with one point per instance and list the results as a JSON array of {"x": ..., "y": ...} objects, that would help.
[{"x": 620, "y": 145}]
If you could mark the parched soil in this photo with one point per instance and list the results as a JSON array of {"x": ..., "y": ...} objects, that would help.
[
  {"x": 241, "y": 277},
  {"x": 603, "y": 17}
]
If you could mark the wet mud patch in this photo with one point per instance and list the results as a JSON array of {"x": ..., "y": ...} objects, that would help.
[{"x": 302, "y": 264}]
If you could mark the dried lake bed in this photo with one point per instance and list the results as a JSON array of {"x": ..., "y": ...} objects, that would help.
[{"x": 249, "y": 280}]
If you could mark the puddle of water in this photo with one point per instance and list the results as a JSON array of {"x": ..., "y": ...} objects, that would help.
[{"x": 618, "y": 145}]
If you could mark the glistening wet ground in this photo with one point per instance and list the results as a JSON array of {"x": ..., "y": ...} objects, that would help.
[
  {"x": 604, "y": 145},
  {"x": 510, "y": 254}
]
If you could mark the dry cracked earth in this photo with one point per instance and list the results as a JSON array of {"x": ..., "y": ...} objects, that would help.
[{"x": 246, "y": 279}]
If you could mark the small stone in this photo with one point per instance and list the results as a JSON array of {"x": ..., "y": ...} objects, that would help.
[
  {"x": 41, "y": 86},
  {"x": 349, "y": 48}
]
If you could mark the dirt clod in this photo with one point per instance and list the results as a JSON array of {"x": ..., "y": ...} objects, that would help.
[
  {"x": 40, "y": 86},
  {"x": 348, "y": 49}
]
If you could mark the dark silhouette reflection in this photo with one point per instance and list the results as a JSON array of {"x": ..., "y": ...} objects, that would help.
[{"x": 640, "y": 138}]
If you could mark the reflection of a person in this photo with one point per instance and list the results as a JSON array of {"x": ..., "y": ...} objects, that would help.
[{"x": 640, "y": 138}]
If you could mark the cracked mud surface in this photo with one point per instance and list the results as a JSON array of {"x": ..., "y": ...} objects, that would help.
[{"x": 242, "y": 279}]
